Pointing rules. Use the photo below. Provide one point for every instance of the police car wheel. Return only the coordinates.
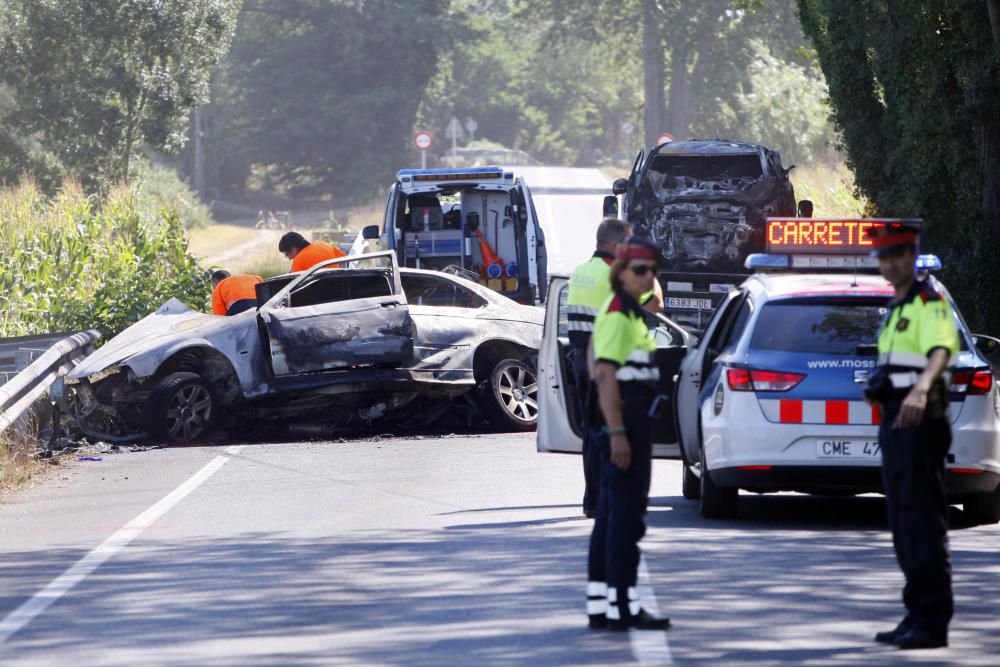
(716, 502)
(180, 408)
(690, 484)
(511, 396)
(982, 508)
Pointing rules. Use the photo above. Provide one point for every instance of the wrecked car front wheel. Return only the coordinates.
(511, 396)
(181, 407)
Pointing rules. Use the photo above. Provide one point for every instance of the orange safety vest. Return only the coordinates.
(314, 253)
(233, 289)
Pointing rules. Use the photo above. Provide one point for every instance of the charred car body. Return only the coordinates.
(351, 340)
(705, 203)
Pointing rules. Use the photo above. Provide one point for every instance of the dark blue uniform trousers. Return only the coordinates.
(913, 474)
(590, 426)
(620, 521)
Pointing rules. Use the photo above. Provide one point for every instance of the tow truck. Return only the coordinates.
(704, 202)
(477, 222)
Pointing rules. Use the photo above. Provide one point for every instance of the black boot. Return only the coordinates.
(624, 612)
(597, 604)
(922, 639)
(890, 636)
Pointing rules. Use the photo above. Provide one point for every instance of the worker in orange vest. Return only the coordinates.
(305, 255)
(233, 294)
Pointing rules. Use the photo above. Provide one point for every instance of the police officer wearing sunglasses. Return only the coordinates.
(917, 340)
(626, 376)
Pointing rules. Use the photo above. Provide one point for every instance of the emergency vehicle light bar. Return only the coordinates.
(823, 236)
(807, 262)
(464, 174)
(762, 261)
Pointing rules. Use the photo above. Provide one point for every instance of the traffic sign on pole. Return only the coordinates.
(423, 140)
(664, 138)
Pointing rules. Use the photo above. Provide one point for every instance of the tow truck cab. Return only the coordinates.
(705, 203)
(479, 220)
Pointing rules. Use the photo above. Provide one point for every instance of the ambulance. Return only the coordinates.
(478, 222)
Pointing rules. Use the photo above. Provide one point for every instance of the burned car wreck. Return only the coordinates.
(352, 340)
(705, 202)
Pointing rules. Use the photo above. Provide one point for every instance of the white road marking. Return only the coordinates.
(649, 646)
(79, 571)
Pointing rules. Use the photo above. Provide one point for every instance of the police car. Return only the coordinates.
(480, 220)
(558, 411)
(770, 399)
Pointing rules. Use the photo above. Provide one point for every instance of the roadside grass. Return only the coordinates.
(214, 240)
(831, 189)
(17, 465)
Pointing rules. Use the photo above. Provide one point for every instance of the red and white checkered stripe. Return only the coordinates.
(794, 411)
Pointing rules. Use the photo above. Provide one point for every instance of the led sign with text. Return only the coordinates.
(811, 235)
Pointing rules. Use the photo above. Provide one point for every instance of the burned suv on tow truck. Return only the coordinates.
(705, 203)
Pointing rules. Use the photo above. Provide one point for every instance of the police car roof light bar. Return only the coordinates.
(928, 263)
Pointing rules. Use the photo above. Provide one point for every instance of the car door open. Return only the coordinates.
(558, 425)
(340, 314)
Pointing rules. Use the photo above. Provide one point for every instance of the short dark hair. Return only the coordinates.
(219, 275)
(612, 230)
(292, 240)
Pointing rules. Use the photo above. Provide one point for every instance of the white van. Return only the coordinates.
(479, 222)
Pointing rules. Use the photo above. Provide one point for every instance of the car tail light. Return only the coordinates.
(971, 382)
(741, 379)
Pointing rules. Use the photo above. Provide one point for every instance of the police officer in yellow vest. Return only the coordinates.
(589, 288)
(627, 376)
(917, 343)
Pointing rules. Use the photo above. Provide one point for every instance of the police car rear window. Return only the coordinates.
(817, 327)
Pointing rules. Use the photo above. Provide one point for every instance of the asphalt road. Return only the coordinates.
(430, 551)
(568, 201)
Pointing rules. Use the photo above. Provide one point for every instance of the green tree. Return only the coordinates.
(93, 81)
(915, 92)
(319, 97)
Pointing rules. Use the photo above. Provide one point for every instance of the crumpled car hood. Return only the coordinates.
(709, 225)
(172, 322)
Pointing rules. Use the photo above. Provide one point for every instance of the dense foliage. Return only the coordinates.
(73, 265)
(90, 82)
(915, 90)
(319, 97)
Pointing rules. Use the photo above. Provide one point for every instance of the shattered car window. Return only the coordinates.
(328, 287)
(708, 167)
(431, 291)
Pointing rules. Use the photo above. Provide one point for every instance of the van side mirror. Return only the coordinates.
(805, 208)
(610, 206)
(619, 186)
(370, 232)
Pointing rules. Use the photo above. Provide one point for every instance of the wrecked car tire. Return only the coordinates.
(510, 396)
(181, 407)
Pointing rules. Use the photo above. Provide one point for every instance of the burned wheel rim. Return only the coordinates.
(516, 390)
(189, 412)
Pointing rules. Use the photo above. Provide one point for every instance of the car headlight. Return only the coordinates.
(100, 375)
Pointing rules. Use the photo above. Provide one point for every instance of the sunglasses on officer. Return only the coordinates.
(642, 269)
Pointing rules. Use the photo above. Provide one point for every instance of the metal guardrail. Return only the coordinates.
(18, 394)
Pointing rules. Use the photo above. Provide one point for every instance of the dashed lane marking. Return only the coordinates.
(64, 583)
